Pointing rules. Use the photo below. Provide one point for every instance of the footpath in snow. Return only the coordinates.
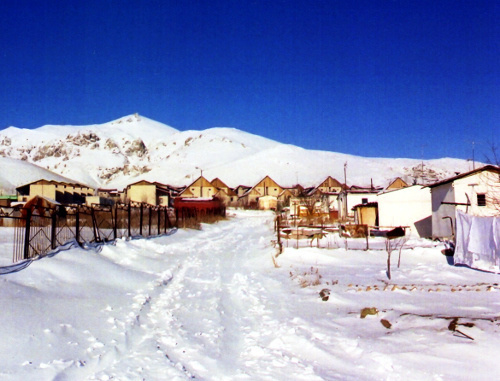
(211, 304)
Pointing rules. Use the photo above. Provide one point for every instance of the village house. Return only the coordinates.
(476, 192)
(397, 183)
(353, 196)
(240, 190)
(329, 190)
(200, 188)
(330, 185)
(285, 196)
(105, 197)
(227, 195)
(111, 194)
(152, 193)
(308, 203)
(6, 200)
(264, 195)
(407, 206)
(249, 199)
(320, 201)
(62, 192)
(366, 214)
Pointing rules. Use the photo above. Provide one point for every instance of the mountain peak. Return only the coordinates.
(118, 152)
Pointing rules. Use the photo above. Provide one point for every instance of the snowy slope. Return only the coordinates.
(131, 148)
(15, 173)
(210, 304)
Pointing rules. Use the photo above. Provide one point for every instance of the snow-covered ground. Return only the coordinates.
(212, 304)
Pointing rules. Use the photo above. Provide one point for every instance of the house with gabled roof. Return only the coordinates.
(330, 185)
(397, 183)
(285, 196)
(200, 188)
(147, 192)
(476, 192)
(250, 198)
(240, 190)
(352, 196)
(62, 192)
(267, 188)
(225, 193)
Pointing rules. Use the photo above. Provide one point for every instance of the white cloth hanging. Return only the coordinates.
(477, 241)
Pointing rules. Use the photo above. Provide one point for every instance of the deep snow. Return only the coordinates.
(212, 304)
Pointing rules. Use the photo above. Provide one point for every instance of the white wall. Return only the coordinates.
(409, 206)
(353, 199)
(463, 191)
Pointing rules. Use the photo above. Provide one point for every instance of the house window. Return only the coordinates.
(364, 201)
(481, 200)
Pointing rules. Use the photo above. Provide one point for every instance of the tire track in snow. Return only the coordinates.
(219, 319)
(218, 314)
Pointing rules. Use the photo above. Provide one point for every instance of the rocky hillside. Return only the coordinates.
(117, 153)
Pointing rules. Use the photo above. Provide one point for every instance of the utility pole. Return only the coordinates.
(473, 161)
(345, 190)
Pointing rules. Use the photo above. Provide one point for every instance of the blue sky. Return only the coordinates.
(415, 79)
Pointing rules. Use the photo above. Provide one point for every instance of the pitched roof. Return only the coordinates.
(43, 181)
(330, 182)
(200, 182)
(397, 183)
(218, 183)
(272, 182)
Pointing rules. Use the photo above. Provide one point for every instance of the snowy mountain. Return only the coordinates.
(133, 148)
(15, 173)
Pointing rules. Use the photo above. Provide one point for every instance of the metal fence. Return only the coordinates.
(334, 236)
(37, 231)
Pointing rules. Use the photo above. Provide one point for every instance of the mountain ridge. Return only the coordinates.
(133, 148)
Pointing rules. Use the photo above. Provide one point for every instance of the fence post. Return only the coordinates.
(115, 227)
(77, 225)
(129, 218)
(27, 234)
(150, 208)
(278, 224)
(53, 231)
(141, 214)
(159, 220)
(94, 223)
(167, 219)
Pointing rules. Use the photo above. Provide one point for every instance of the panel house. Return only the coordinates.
(476, 192)
(62, 192)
